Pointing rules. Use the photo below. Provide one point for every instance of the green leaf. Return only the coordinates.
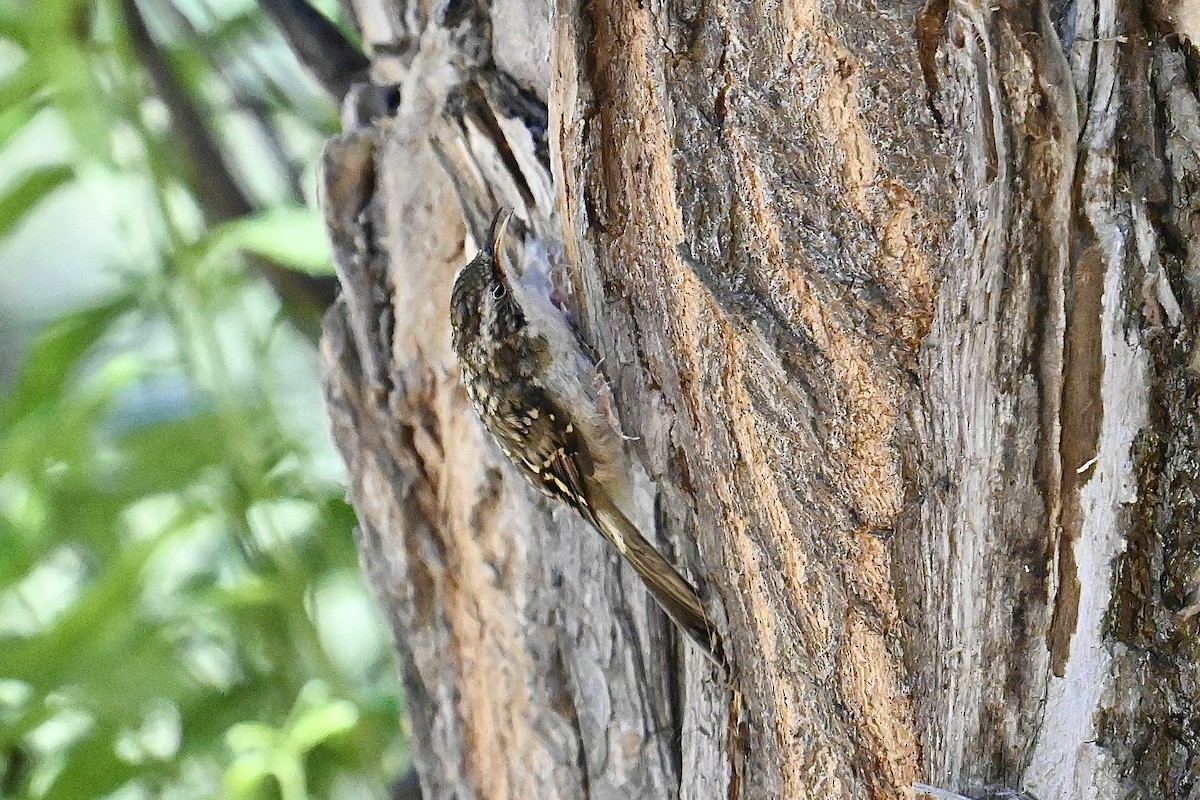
(63, 57)
(98, 640)
(19, 86)
(247, 737)
(13, 119)
(53, 358)
(13, 23)
(244, 775)
(18, 100)
(293, 237)
(91, 765)
(31, 190)
(169, 456)
(315, 725)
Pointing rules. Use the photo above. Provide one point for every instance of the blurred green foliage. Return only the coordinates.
(181, 610)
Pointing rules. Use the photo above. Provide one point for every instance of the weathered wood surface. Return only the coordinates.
(898, 304)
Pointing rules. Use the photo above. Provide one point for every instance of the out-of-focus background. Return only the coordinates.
(181, 609)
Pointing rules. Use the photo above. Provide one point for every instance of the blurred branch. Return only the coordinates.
(218, 193)
(253, 102)
(304, 297)
(333, 60)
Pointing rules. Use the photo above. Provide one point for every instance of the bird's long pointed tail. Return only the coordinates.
(672, 591)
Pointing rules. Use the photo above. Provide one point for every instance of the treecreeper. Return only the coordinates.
(534, 387)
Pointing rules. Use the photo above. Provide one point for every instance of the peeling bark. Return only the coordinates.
(898, 305)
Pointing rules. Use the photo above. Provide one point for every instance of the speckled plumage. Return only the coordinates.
(527, 379)
(501, 364)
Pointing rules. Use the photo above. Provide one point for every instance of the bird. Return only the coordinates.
(534, 387)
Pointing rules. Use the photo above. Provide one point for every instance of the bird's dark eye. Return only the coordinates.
(499, 290)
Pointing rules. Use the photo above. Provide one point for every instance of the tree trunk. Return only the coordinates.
(898, 306)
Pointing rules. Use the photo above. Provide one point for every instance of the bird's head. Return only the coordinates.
(482, 286)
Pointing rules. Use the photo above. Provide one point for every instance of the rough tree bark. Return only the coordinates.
(898, 303)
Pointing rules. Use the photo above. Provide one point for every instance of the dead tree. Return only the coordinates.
(898, 303)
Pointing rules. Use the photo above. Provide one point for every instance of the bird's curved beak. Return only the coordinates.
(497, 236)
